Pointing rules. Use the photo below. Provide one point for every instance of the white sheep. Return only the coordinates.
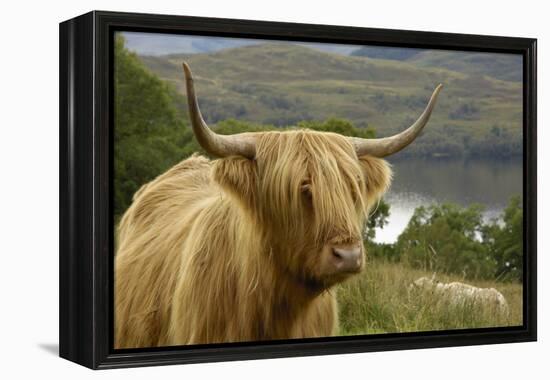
(458, 294)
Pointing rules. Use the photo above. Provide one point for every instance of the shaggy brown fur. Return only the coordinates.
(228, 250)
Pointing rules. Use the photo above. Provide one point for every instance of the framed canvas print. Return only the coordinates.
(236, 189)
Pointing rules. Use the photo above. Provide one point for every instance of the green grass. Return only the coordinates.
(378, 301)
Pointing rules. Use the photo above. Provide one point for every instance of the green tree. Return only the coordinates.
(377, 219)
(341, 126)
(447, 238)
(150, 134)
(505, 241)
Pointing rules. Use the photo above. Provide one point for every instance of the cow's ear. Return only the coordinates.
(237, 176)
(378, 175)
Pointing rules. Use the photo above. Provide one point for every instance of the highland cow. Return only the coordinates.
(249, 246)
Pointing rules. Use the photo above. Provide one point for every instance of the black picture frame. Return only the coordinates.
(86, 158)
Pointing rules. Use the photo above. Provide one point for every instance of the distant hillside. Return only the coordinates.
(506, 67)
(383, 52)
(282, 84)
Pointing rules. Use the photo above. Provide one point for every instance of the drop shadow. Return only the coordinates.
(52, 348)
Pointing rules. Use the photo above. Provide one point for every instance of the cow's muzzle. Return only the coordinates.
(347, 258)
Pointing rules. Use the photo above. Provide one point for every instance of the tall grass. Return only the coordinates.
(378, 301)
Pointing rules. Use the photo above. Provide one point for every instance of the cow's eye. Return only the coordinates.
(305, 187)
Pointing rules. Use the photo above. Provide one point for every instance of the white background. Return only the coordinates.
(29, 187)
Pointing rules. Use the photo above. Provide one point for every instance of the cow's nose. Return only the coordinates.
(347, 258)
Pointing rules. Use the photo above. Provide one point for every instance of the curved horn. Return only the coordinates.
(389, 145)
(242, 144)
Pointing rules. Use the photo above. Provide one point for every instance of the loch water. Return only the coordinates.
(422, 182)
